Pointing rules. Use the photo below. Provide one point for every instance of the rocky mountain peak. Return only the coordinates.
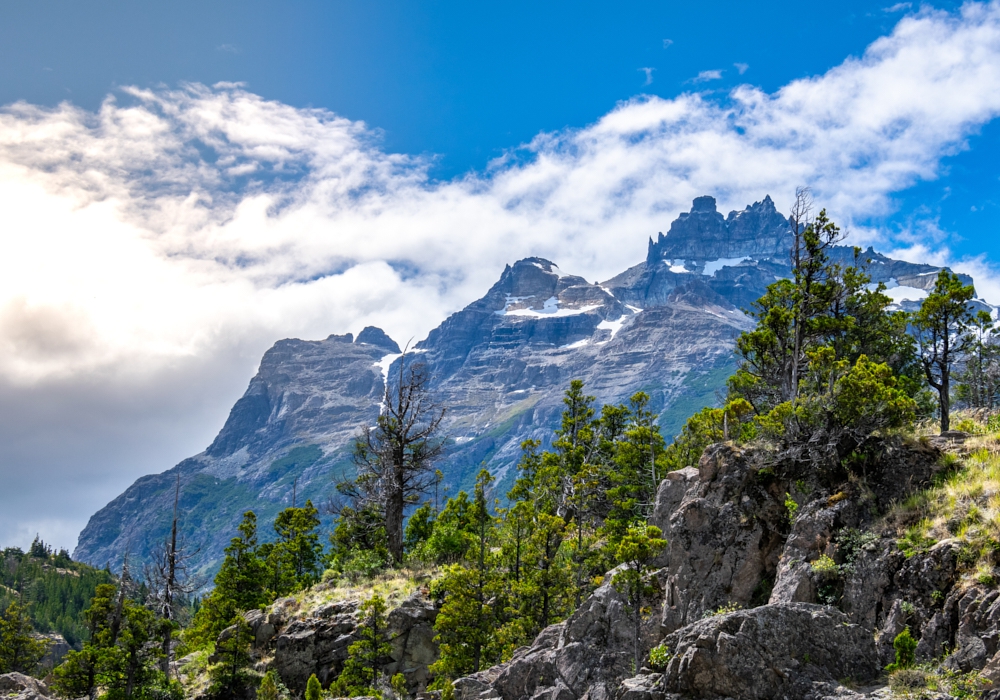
(704, 234)
(378, 338)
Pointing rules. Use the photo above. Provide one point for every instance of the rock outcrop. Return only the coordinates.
(17, 686)
(298, 643)
(772, 651)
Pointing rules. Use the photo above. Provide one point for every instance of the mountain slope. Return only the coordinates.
(665, 326)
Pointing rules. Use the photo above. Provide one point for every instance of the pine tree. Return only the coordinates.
(293, 560)
(641, 544)
(240, 585)
(20, 651)
(467, 622)
(367, 656)
(231, 676)
(942, 330)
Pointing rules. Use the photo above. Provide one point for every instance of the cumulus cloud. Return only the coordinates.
(159, 245)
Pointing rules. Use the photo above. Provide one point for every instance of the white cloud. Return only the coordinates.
(742, 67)
(667, 43)
(898, 7)
(174, 234)
(649, 75)
(707, 75)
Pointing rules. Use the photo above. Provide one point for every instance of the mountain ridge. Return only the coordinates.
(666, 326)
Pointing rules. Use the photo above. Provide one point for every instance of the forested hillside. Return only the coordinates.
(54, 588)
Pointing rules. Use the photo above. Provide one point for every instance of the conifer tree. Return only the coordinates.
(231, 676)
(20, 651)
(368, 655)
(641, 544)
(942, 330)
(293, 560)
(467, 621)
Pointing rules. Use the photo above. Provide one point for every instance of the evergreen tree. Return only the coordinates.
(20, 651)
(293, 560)
(980, 378)
(467, 621)
(231, 676)
(641, 544)
(313, 688)
(240, 585)
(395, 458)
(367, 656)
(942, 330)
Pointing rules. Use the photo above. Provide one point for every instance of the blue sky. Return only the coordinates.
(182, 184)
(465, 82)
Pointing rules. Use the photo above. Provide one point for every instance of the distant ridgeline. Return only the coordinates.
(666, 326)
(55, 589)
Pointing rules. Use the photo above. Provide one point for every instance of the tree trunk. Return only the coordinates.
(945, 398)
(394, 507)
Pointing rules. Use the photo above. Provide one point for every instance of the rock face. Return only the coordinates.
(666, 326)
(747, 608)
(300, 644)
(586, 656)
(17, 686)
(771, 651)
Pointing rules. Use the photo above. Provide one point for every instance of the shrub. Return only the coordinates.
(791, 506)
(907, 680)
(905, 646)
(825, 566)
(723, 610)
(313, 689)
(398, 683)
(659, 657)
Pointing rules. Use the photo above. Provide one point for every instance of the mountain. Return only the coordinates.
(500, 365)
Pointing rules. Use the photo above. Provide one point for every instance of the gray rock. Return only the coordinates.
(723, 537)
(768, 652)
(17, 686)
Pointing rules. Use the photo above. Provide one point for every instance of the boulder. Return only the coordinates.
(768, 652)
(723, 528)
(17, 686)
(587, 655)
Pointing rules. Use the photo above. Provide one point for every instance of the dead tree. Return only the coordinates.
(395, 457)
(168, 581)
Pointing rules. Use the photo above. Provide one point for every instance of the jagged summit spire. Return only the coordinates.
(704, 234)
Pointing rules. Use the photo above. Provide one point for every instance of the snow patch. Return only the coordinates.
(634, 309)
(676, 266)
(713, 266)
(613, 326)
(550, 309)
(385, 363)
(897, 292)
(577, 344)
(554, 270)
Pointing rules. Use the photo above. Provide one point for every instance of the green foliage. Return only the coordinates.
(470, 615)
(825, 566)
(253, 575)
(313, 688)
(791, 508)
(122, 656)
(292, 561)
(636, 551)
(398, 685)
(271, 687)
(659, 657)
(240, 585)
(54, 589)
(358, 542)
(19, 650)
(905, 646)
(941, 327)
(368, 655)
(723, 610)
(231, 677)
